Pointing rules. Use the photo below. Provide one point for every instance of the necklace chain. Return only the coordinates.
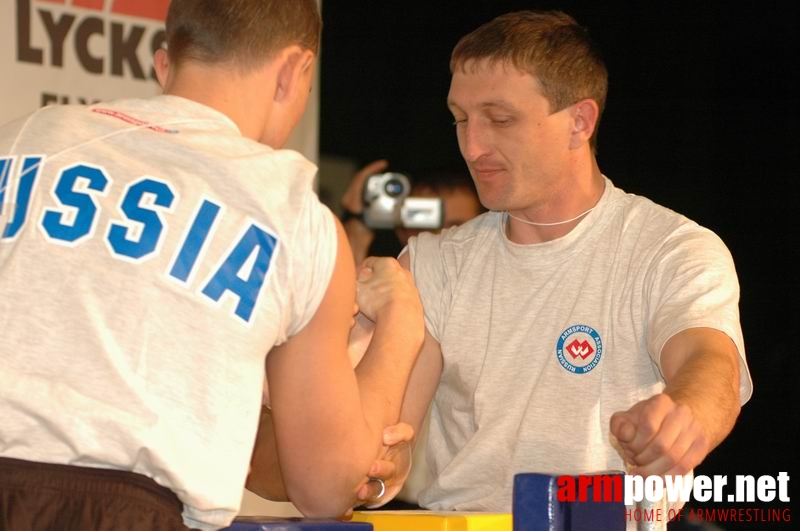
(549, 224)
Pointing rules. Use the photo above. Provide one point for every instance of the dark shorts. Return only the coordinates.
(44, 497)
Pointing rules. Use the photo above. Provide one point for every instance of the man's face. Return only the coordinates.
(515, 148)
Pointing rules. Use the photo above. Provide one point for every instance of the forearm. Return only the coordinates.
(265, 478)
(672, 432)
(707, 381)
(384, 371)
(328, 418)
(347, 424)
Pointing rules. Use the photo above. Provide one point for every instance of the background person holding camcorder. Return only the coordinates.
(372, 216)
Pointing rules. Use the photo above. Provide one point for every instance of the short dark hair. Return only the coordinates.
(549, 45)
(241, 32)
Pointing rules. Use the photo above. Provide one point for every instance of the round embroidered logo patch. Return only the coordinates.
(579, 349)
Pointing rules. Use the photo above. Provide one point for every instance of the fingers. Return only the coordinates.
(383, 282)
(384, 269)
(670, 439)
(373, 167)
(398, 433)
(667, 458)
(372, 491)
(622, 427)
(693, 457)
(353, 315)
(364, 272)
(635, 428)
(387, 474)
(382, 469)
(659, 437)
(352, 198)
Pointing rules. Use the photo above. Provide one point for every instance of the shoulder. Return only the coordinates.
(663, 234)
(461, 239)
(640, 217)
(443, 254)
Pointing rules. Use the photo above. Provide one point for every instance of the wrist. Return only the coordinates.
(348, 215)
(403, 317)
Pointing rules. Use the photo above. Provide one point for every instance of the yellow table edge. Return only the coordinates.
(434, 521)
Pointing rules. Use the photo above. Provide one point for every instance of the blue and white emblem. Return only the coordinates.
(579, 349)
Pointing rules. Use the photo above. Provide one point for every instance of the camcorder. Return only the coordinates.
(387, 204)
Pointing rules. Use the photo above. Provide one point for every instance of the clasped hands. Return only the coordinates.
(382, 282)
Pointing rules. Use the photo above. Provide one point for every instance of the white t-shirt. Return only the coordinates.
(150, 258)
(542, 343)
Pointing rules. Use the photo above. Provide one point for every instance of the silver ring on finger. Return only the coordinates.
(383, 487)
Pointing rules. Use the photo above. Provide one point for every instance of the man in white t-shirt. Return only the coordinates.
(155, 255)
(574, 328)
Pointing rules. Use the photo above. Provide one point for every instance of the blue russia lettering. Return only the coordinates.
(255, 250)
(194, 241)
(56, 223)
(27, 178)
(148, 220)
(138, 235)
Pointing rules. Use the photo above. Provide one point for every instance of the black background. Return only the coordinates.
(701, 117)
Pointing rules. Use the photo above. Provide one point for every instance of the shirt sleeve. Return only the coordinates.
(312, 269)
(428, 270)
(693, 283)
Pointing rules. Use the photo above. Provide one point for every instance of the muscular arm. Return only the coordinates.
(423, 383)
(395, 464)
(424, 377)
(265, 478)
(327, 421)
(672, 432)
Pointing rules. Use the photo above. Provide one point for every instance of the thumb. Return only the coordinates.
(622, 427)
(364, 273)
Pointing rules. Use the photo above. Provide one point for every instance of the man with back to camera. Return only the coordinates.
(157, 250)
(574, 328)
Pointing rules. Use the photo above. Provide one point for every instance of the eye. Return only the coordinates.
(501, 120)
(458, 121)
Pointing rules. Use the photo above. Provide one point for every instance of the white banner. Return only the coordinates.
(85, 51)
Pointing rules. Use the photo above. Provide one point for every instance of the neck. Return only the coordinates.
(561, 211)
(226, 90)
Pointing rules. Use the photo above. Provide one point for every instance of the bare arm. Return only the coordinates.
(672, 432)
(423, 383)
(425, 376)
(395, 463)
(328, 422)
(265, 478)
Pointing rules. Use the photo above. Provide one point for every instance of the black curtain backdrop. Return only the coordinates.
(700, 117)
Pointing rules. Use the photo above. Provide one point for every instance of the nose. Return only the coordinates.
(472, 141)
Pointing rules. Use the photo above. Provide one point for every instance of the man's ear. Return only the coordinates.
(585, 114)
(161, 66)
(294, 62)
